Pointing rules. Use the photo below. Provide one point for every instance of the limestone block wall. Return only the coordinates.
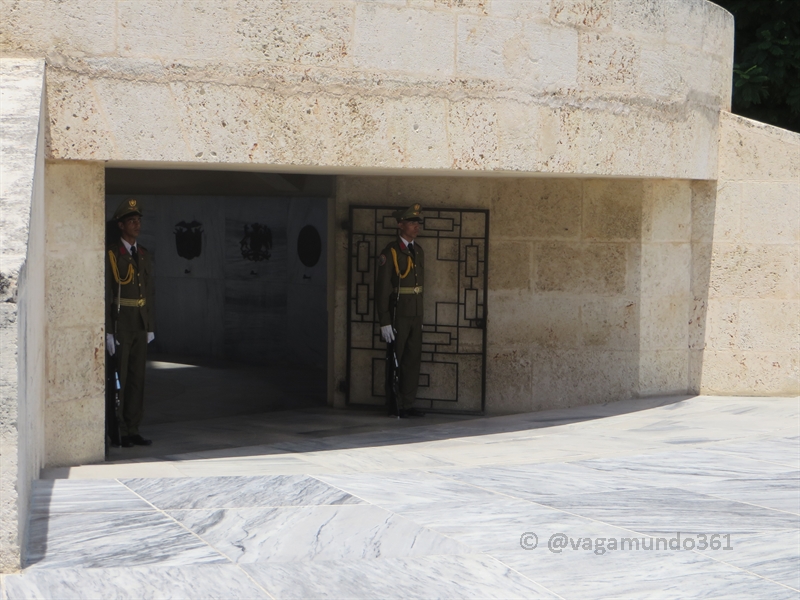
(550, 86)
(564, 315)
(74, 292)
(22, 308)
(589, 283)
(747, 262)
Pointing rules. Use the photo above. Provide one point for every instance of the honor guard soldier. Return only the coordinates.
(398, 302)
(130, 320)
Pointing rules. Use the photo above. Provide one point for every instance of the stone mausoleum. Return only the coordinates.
(600, 226)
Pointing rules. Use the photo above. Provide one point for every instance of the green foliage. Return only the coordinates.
(766, 72)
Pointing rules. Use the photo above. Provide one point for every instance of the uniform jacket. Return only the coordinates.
(130, 318)
(409, 305)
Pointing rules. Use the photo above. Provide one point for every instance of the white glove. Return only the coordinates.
(387, 334)
(150, 336)
(111, 344)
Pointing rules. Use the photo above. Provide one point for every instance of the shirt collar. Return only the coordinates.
(407, 243)
(128, 246)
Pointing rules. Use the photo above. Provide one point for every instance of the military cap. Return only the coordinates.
(412, 213)
(127, 208)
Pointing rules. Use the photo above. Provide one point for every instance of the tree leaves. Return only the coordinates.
(766, 73)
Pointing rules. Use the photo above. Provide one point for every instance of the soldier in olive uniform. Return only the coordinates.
(398, 302)
(130, 318)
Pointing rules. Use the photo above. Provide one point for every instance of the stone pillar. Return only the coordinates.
(75, 397)
(22, 122)
(665, 288)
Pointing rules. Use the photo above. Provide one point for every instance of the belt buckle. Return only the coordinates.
(416, 289)
(140, 302)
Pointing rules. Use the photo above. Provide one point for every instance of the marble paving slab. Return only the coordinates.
(779, 491)
(362, 460)
(561, 448)
(688, 437)
(401, 488)
(472, 576)
(676, 469)
(313, 533)
(725, 417)
(654, 574)
(552, 479)
(255, 465)
(81, 496)
(499, 453)
(501, 529)
(774, 556)
(783, 450)
(94, 540)
(205, 582)
(238, 492)
(665, 511)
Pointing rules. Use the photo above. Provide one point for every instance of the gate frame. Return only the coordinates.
(484, 345)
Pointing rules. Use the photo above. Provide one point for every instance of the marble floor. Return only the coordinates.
(693, 497)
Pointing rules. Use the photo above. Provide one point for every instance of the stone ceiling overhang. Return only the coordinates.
(562, 87)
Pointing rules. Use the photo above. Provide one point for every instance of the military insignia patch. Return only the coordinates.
(382, 259)
(416, 207)
(132, 203)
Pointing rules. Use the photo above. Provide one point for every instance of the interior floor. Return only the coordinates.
(181, 389)
(201, 405)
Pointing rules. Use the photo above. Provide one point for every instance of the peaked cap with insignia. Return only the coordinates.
(412, 213)
(127, 208)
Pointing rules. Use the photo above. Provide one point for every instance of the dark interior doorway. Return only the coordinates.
(241, 296)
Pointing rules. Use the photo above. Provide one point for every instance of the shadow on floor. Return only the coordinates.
(208, 411)
(180, 389)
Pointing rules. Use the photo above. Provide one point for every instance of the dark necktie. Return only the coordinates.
(411, 249)
(135, 255)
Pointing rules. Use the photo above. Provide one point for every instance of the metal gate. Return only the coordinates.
(453, 369)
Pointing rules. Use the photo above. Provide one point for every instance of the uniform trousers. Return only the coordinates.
(131, 356)
(408, 346)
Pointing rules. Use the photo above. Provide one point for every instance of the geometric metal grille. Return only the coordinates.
(453, 368)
